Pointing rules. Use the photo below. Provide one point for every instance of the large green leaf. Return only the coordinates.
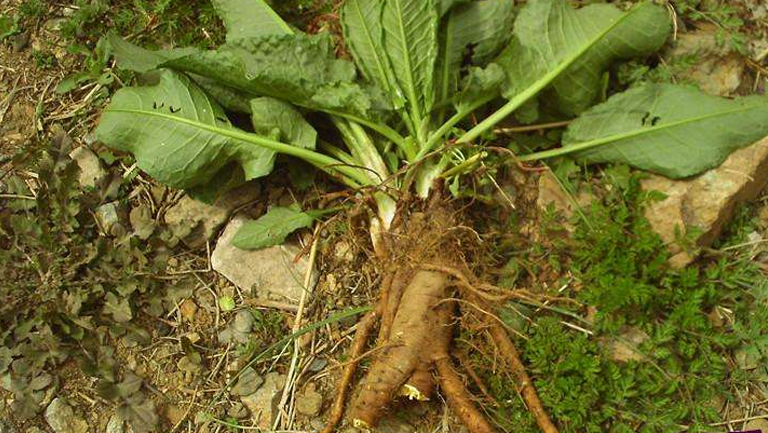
(250, 18)
(296, 68)
(361, 22)
(445, 6)
(484, 26)
(174, 131)
(134, 58)
(676, 131)
(550, 34)
(410, 41)
(271, 229)
(282, 121)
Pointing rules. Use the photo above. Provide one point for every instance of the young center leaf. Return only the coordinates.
(676, 131)
(567, 50)
(271, 229)
(250, 18)
(363, 34)
(410, 41)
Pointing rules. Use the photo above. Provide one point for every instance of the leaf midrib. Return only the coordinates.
(318, 159)
(413, 95)
(544, 81)
(578, 147)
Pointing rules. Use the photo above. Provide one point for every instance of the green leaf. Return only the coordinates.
(483, 25)
(550, 34)
(410, 41)
(567, 49)
(361, 22)
(9, 26)
(271, 229)
(270, 115)
(672, 130)
(479, 85)
(175, 132)
(226, 303)
(250, 18)
(229, 98)
(445, 6)
(134, 58)
(299, 69)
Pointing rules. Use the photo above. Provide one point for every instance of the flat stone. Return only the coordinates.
(395, 425)
(551, 194)
(110, 218)
(91, 170)
(196, 223)
(268, 273)
(63, 419)
(263, 403)
(117, 425)
(6, 427)
(707, 202)
(757, 425)
(309, 402)
(718, 70)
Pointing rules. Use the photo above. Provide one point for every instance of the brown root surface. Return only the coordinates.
(412, 333)
(416, 314)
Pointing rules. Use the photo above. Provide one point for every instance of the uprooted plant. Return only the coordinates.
(401, 130)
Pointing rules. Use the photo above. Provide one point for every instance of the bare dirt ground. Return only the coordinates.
(187, 370)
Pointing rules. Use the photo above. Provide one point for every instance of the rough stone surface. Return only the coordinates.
(756, 425)
(91, 170)
(7, 428)
(263, 403)
(309, 402)
(110, 217)
(117, 425)
(268, 273)
(551, 193)
(718, 70)
(62, 418)
(708, 201)
(395, 425)
(195, 222)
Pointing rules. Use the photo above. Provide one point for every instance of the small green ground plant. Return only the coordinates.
(685, 330)
(396, 125)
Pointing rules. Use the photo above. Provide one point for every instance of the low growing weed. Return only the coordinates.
(703, 329)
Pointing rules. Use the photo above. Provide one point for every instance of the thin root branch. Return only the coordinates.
(457, 396)
(364, 330)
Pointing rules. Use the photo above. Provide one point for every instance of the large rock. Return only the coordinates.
(707, 202)
(263, 403)
(717, 68)
(63, 419)
(268, 273)
(195, 222)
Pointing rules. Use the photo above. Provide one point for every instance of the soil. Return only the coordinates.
(30, 107)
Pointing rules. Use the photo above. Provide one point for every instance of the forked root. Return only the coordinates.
(412, 335)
